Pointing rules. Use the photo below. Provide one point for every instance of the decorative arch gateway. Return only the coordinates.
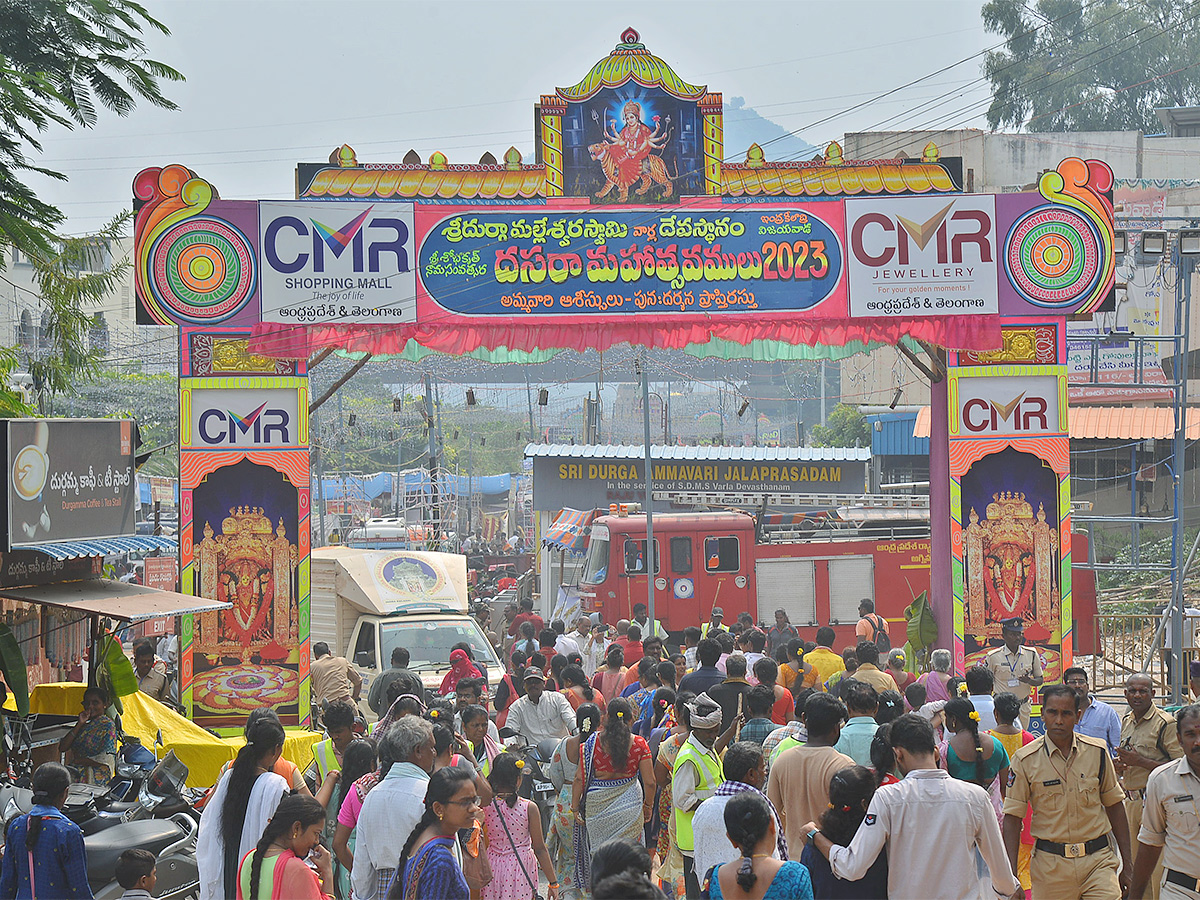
(631, 225)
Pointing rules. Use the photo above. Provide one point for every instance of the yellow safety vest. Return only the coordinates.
(709, 767)
(704, 629)
(326, 759)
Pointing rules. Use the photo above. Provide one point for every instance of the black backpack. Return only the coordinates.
(882, 641)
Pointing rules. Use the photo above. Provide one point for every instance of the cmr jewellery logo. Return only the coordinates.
(267, 418)
(960, 237)
(923, 256)
(1016, 406)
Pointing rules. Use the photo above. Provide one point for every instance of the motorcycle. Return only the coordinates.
(161, 821)
(537, 786)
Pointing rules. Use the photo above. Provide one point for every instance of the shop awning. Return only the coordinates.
(105, 546)
(1108, 423)
(570, 530)
(114, 599)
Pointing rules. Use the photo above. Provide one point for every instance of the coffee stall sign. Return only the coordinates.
(69, 479)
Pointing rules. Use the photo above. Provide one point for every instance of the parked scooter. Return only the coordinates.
(161, 821)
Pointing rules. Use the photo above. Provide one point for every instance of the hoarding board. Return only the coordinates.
(707, 259)
(337, 262)
(69, 480)
(922, 256)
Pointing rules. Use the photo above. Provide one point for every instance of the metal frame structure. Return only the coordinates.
(1184, 264)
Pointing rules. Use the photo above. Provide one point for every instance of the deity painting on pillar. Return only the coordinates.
(247, 556)
(1011, 553)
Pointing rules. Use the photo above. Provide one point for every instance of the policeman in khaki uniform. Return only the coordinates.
(1148, 740)
(1069, 781)
(1171, 821)
(1015, 667)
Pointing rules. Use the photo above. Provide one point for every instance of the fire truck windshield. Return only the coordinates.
(595, 569)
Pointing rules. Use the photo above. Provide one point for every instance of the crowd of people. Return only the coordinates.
(749, 765)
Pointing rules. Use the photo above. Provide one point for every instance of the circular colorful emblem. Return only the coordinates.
(203, 270)
(1052, 256)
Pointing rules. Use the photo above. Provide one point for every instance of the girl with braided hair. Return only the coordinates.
(970, 756)
(563, 767)
(275, 868)
(45, 855)
(427, 867)
(750, 827)
(242, 804)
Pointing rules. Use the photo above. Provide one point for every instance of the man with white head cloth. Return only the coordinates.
(696, 777)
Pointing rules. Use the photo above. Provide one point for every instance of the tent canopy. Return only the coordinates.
(104, 597)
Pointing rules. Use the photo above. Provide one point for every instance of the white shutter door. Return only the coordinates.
(790, 585)
(851, 580)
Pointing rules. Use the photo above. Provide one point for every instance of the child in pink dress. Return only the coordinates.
(514, 855)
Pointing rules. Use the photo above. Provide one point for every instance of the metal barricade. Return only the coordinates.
(1125, 648)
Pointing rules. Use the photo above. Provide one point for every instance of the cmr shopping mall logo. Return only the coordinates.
(245, 418)
(292, 244)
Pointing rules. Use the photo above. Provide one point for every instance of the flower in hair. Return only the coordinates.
(620, 715)
(830, 805)
(973, 715)
(962, 690)
(520, 763)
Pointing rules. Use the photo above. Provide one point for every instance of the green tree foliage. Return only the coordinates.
(12, 402)
(78, 274)
(151, 399)
(845, 427)
(1083, 65)
(60, 62)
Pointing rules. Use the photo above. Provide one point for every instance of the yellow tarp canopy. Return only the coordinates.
(203, 753)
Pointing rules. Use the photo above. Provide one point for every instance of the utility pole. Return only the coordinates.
(529, 400)
(435, 536)
(649, 489)
(316, 434)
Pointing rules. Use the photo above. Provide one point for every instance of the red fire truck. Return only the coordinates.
(729, 559)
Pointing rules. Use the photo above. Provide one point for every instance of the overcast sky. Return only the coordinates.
(273, 83)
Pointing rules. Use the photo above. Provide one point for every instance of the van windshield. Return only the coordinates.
(428, 642)
(595, 569)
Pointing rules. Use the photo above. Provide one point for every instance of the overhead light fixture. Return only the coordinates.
(1154, 242)
(742, 409)
(1118, 242)
(397, 404)
(543, 397)
(353, 419)
(1189, 241)
(895, 399)
(470, 397)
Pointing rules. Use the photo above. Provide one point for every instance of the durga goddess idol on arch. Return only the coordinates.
(627, 156)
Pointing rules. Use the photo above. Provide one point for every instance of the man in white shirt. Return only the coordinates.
(394, 806)
(981, 684)
(928, 809)
(643, 621)
(564, 644)
(540, 716)
(744, 768)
